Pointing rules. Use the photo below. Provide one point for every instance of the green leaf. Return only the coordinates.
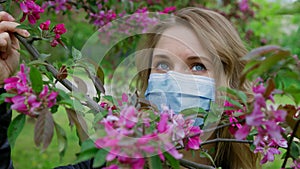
(63, 94)
(155, 162)
(24, 27)
(86, 155)
(68, 102)
(100, 158)
(173, 162)
(204, 154)
(294, 90)
(44, 56)
(213, 116)
(37, 62)
(62, 140)
(99, 116)
(193, 112)
(87, 144)
(239, 94)
(232, 101)
(15, 128)
(76, 54)
(54, 109)
(110, 99)
(5, 95)
(36, 79)
(295, 150)
(8, 4)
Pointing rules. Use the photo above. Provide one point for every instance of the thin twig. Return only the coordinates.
(35, 54)
(221, 140)
(296, 127)
(221, 126)
(191, 164)
(226, 140)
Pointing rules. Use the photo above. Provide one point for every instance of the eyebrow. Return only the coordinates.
(192, 58)
(162, 56)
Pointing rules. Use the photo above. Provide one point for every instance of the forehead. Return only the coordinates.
(181, 41)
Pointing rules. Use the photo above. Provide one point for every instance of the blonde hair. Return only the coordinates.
(226, 49)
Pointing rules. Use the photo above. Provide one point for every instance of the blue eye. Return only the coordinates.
(163, 66)
(198, 67)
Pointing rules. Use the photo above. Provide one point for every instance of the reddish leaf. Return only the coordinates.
(290, 118)
(270, 88)
(43, 131)
(261, 51)
(244, 74)
(98, 80)
(77, 120)
(62, 73)
(81, 85)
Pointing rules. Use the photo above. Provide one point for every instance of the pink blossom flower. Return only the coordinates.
(26, 101)
(54, 43)
(242, 132)
(128, 117)
(59, 5)
(160, 154)
(142, 10)
(52, 99)
(296, 164)
(260, 88)
(260, 100)
(243, 5)
(273, 130)
(60, 29)
(232, 119)
(45, 25)
(103, 17)
(18, 104)
(33, 103)
(162, 125)
(170, 148)
(11, 83)
(31, 10)
(168, 10)
(256, 117)
(269, 155)
(194, 142)
(113, 153)
(279, 115)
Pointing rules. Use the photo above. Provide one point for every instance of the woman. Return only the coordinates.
(198, 42)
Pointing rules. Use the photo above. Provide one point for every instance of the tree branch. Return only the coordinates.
(190, 164)
(35, 54)
(226, 140)
(296, 127)
(221, 126)
(220, 140)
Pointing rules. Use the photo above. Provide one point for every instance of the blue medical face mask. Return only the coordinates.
(180, 91)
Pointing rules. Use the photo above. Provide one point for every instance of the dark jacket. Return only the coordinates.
(5, 151)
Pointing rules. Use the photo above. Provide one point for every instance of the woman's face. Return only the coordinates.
(180, 50)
